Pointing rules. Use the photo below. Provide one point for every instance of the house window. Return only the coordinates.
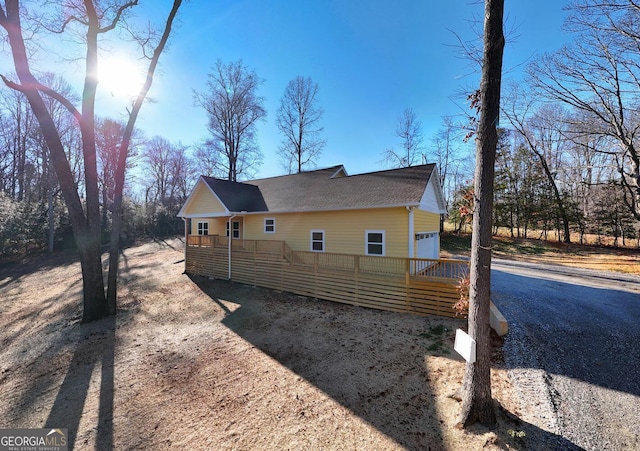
(269, 225)
(235, 225)
(317, 240)
(203, 228)
(374, 242)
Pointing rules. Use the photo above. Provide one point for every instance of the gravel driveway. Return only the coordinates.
(573, 351)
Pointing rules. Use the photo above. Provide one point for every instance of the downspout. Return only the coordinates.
(230, 238)
(411, 231)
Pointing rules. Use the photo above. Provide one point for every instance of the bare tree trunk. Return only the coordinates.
(477, 404)
(116, 218)
(50, 220)
(557, 197)
(94, 306)
(94, 300)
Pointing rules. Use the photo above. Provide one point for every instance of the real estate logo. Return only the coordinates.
(34, 440)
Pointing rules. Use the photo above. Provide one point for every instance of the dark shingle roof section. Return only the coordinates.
(237, 196)
(317, 190)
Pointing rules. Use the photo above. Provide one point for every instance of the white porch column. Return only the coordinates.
(186, 237)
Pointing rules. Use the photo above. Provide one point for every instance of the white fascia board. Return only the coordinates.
(208, 215)
(186, 203)
(342, 169)
(433, 197)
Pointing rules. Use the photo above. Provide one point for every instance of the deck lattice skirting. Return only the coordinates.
(419, 286)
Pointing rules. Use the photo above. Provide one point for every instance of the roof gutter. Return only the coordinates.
(325, 210)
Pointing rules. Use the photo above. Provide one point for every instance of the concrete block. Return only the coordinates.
(498, 321)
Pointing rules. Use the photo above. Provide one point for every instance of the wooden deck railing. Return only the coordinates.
(201, 240)
(415, 285)
(264, 246)
(414, 267)
(443, 268)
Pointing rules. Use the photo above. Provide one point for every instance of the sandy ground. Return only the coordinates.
(192, 363)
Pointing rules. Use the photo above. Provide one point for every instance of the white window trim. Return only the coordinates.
(324, 240)
(230, 229)
(265, 225)
(366, 243)
(198, 228)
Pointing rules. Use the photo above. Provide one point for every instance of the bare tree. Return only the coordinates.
(91, 21)
(181, 171)
(157, 155)
(108, 138)
(298, 118)
(409, 129)
(70, 137)
(234, 109)
(18, 132)
(206, 161)
(451, 162)
(167, 174)
(587, 165)
(167, 171)
(597, 74)
(25, 169)
(109, 135)
(477, 404)
(544, 133)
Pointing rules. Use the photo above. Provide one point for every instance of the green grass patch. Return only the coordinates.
(437, 336)
(519, 436)
(434, 332)
(456, 244)
(517, 246)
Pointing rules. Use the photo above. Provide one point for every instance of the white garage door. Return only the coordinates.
(427, 245)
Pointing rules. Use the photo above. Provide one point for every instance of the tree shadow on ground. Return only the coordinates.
(523, 435)
(12, 272)
(369, 361)
(95, 348)
(52, 355)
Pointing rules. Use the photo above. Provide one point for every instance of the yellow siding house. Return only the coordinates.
(393, 213)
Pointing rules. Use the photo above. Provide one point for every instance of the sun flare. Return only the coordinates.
(120, 76)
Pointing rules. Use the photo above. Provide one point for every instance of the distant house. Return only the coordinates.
(392, 213)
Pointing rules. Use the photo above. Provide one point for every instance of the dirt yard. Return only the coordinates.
(191, 363)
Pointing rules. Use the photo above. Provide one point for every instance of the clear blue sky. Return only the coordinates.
(371, 59)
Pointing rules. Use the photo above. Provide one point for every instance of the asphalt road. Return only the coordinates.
(573, 351)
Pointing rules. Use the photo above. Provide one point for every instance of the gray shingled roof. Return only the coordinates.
(237, 196)
(317, 190)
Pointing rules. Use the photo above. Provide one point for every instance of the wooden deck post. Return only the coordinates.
(356, 274)
(315, 274)
(407, 280)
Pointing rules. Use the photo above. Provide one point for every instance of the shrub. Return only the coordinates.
(462, 306)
